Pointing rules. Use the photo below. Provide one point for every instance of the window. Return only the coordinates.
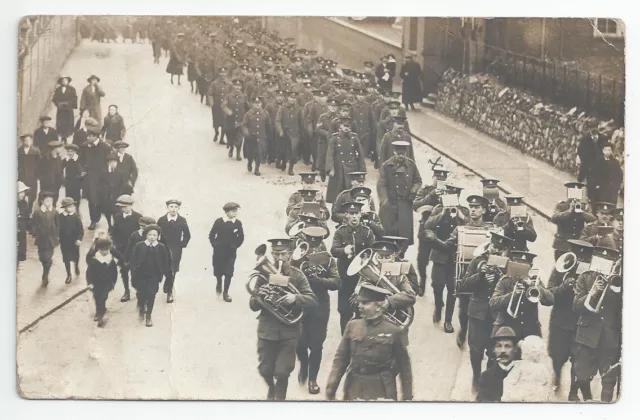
(611, 28)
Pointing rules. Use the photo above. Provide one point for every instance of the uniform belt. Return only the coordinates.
(370, 370)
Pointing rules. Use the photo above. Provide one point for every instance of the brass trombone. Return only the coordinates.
(613, 282)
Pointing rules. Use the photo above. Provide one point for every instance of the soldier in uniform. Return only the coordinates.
(277, 342)
(349, 239)
(322, 274)
(593, 232)
(256, 126)
(519, 228)
(323, 132)
(272, 106)
(218, 90)
(563, 321)
(598, 335)
(365, 122)
(234, 106)
(617, 236)
(398, 133)
(526, 322)
(357, 180)
(308, 179)
(289, 125)
(427, 197)
(308, 196)
(570, 216)
(312, 112)
(480, 280)
(344, 155)
(436, 231)
(397, 187)
(372, 352)
(496, 204)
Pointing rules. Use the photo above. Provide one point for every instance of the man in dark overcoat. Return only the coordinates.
(114, 185)
(589, 152)
(608, 176)
(44, 134)
(226, 236)
(411, 75)
(51, 170)
(126, 164)
(290, 126)
(28, 162)
(256, 126)
(94, 160)
(234, 106)
(344, 155)
(66, 101)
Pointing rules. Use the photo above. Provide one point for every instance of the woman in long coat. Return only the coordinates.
(113, 128)
(66, 100)
(411, 75)
(344, 155)
(176, 58)
(90, 98)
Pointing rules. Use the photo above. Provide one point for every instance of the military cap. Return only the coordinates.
(173, 201)
(336, 82)
(618, 213)
(398, 240)
(146, 221)
(124, 200)
(307, 84)
(119, 144)
(72, 147)
(112, 157)
(500, 240)
(385, 92)
(606, 253)
(400, 144)
(359, 176)
(489, 183)
(280, 92)
(64, 77)
(394, 105)
(504, 332)
(257, 100)
(399, 119)
(244, 67)
(287, 70)
(45, 194)
(582, 249)
(371, 293)
(267, 58)
(385, 248)
(223, 69)
(360, 192)
(332, 101)
(478, 200)
(522, 256)
(351, 207)
(237, 82)
(319, 60)
(308, 177)
(258, 70)
(307, 193)
(230, 206)
(573, 184)
(280, 244)
(103, 243)
(151, 227)
(454, 189)
(514, 200)
(293, 94)
(345, 105)
(315, 231)
(309, 218)
(45, 118)
(359, 91)
(605, 207)
(92, 77)
(395, 95)
(22, 187)
(66, 202)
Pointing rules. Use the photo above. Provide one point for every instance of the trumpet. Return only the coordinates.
(493, 208)
(613, 282)
(451, 211)
(531, 293)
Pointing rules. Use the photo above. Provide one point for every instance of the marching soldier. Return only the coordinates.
(516, 223)
(344, 155)
(598, 334)
(398, 133)
(372, 353)
(617, 236)
(362, 114)
(218, 90)
(322, 273)
(436, 230)
(525, 322)
(356, 179)
(310, 204)
(349, 239)
(272, 106)
(397, 187)
(323, 132)
(234, 106)
(289, 125)
(256, 126)
(496, 204)
(563, 321)
(277, 342)
(312, 112)
(594, 231)
(480, 280)
(427, 197)
(570, 216)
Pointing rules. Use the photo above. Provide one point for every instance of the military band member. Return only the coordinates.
(436, 231)
(309, 196)
(356, 179)
(617, 236)
(598, 334)
(411, 274)
(496, 204)
(308, 179)
(256, 127)
(516, 223)
(277, 342)
(322, 274)
(594, 231)
(427, 197)
(349, 239)
(398, 133)
(480, 280)
(369, 217)
(563, 321)
(570, 216)
(397, 187)
(526, 321)
(289, 125)
(234, 105)
(226, 236)
(344, 155)
(372, 353)
(126, 164)
(175, 231)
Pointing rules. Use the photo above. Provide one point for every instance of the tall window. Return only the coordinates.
(612, 28)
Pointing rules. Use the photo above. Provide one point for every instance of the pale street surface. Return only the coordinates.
(200, 347)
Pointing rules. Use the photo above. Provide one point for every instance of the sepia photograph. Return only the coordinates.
(320, 208)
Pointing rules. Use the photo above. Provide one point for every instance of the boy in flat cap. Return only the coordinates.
(90, 99)
(134, 238)
(344, 155)
(570, 216)
(51, 170)
(177, 235)
(125, 223)
(71, 234)
(66, 101)
(256, 126)
(45, 228)
(277, 342)
(115, 185)
(290, 126)
(102, 274)
(73, 173)
(226, 236)
(126, 164)
(44, 134)
(149, 264)
(28, 162)
(234, 106)
(372, 352)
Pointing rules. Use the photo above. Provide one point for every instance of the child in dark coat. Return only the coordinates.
(45, 229)
(102, 273)
(226, 236)
(177, 235)
(24, 217)
(71, 234)
(73, 171)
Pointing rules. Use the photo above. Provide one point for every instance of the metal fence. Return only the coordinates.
(555, 81)
(45, 43)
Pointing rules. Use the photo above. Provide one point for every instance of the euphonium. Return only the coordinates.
(364, 264)
(613, 282)
(567, 263)
(301, 250)
(272, 302)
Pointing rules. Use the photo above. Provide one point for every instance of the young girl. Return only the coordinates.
(102, 274)
(226, 236)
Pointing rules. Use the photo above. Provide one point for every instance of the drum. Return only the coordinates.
(469, 239)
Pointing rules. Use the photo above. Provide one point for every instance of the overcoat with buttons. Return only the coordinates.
(236, 103)
(323, 132)
(344, 155)
(256, 126)
(569, 224)
(386, 147)
(362, 114)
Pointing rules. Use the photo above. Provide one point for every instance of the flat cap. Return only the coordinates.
(230, 206)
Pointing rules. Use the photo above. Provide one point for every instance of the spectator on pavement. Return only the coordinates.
(589, 152)
(411, 75)
(607, 176)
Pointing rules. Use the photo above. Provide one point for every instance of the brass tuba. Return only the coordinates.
(267, 275)
(364, 264)
(567, 264)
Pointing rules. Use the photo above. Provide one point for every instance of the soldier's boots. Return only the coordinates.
(462, 337)
(149, 323)
(170, 297)
(126, 297)
(291, 169)
(448, 327)
(282, 383)
(437, 315)
(218, 285)
(314, 388)
(303, 375)
(226, 297)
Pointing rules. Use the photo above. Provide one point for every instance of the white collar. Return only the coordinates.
(507, 368)
(96, 141)
(226, 219)
(26, 148)
(120, 154)
(64, 213)
(103, 258)
(45, 129)
(75, 158)
(150, 244)
(125, 215)
(169, 218)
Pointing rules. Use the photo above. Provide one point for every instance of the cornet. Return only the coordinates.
(613, 282)
(531, 293)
